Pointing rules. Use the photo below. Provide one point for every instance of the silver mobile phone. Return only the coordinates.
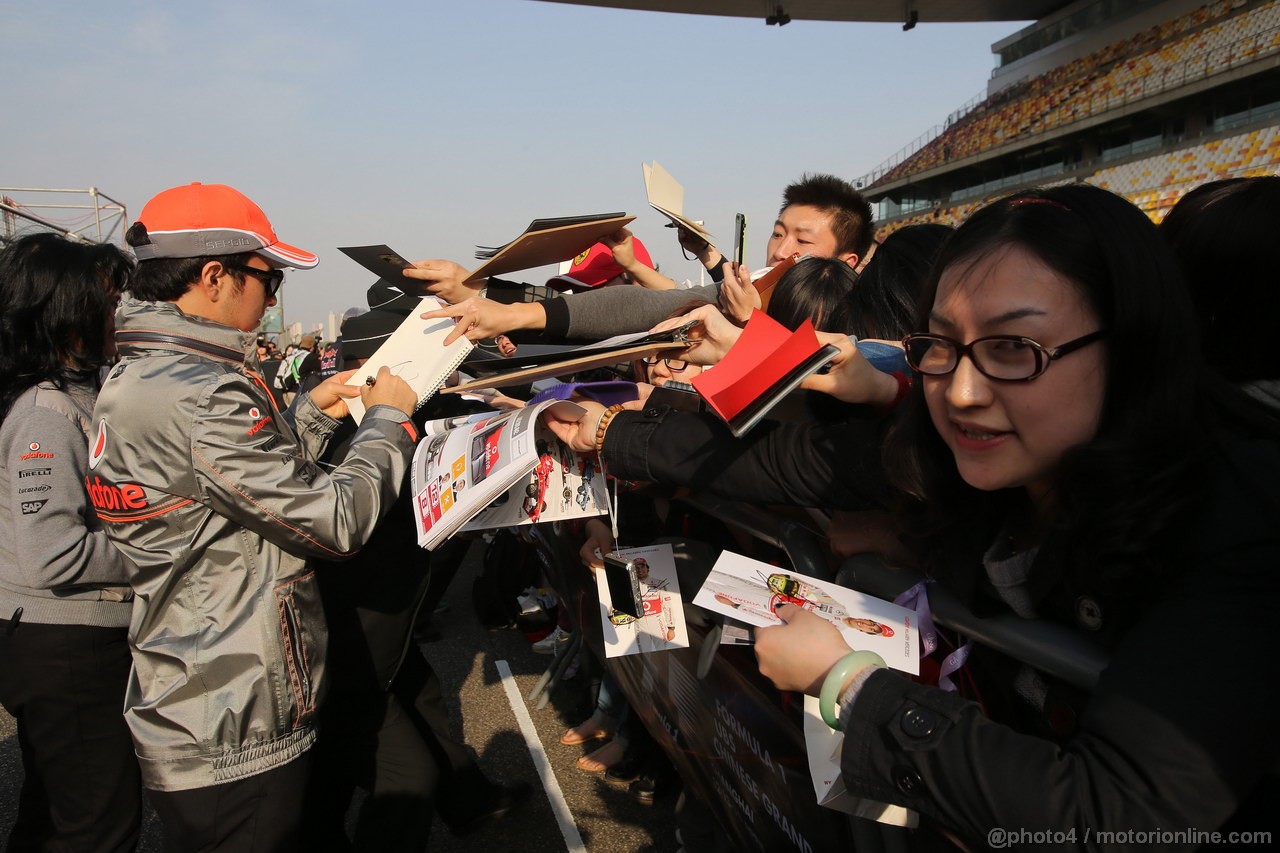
(624, 585)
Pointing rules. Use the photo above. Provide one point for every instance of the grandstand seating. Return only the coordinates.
(1206, 41)
(1153, 183)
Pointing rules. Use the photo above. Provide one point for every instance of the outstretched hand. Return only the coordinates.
(444, 279)
(712, 337)
(798, 654)
(477, 318)
(579, 435)
(692, 243)
(851, 377)
(738, 296)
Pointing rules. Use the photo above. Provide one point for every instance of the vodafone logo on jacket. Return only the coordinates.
(259, 421)
(99, 445)
(34, 452)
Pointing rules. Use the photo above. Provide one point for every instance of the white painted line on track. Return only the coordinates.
(559, 806)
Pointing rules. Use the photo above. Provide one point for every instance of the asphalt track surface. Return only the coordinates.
(466, 659)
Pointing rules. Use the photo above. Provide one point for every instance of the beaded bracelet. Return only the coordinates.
(603, 424)
(836, 680)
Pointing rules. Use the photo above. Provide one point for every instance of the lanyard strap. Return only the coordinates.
(917, 599)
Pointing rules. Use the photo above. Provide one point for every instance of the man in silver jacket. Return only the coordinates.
(214, 497)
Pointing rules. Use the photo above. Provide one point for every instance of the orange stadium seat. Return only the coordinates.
(1205, 41)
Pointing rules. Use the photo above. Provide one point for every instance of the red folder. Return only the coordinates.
(766, 363)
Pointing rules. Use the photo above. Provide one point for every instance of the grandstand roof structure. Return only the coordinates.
(901, 11)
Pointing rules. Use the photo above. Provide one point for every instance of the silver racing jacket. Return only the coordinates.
(215, 499)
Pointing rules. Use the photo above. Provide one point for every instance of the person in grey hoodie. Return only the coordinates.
(64, 598)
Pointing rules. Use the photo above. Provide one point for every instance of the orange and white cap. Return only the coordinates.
(213, 219)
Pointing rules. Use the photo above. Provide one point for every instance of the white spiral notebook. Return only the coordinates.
(416, 353)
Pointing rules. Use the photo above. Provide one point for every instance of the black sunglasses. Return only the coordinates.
(271, 279)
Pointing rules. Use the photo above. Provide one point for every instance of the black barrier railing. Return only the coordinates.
(799, 543)
(1052, 649)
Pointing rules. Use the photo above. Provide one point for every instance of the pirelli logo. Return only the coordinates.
(24, 473)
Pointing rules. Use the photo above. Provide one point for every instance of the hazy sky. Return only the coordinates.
(435, 126)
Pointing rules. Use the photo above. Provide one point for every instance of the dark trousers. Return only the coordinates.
(64, 685)
(258, 814)
(397, 745)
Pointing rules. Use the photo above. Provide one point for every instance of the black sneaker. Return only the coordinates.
(643, 790)
(506, 798)
(628, 770)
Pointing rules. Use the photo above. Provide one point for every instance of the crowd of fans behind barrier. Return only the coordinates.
(1082, 431)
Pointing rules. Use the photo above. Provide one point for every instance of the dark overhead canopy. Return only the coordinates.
(888, 11)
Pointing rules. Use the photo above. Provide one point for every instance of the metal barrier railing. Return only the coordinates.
(1053, 649)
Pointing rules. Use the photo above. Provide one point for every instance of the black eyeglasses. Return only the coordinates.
(271, 279)
(675, 365)
(1007, 358)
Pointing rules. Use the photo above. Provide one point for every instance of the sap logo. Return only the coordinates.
(32, 507)
(34, 472)
(105, 496)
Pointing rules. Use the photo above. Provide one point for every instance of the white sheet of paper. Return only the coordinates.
(823, 745)
(748, 590)
(663, 626)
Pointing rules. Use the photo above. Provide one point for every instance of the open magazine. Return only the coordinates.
(497, 469)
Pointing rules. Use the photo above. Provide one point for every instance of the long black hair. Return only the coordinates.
(55, 294)
(814, 289)
(1122, 498)
(883, 305)
(1224, 235)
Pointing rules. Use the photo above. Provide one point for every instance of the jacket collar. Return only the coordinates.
(145, 326)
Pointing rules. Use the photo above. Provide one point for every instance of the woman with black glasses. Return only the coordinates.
(65, 600)
(1062, 456)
